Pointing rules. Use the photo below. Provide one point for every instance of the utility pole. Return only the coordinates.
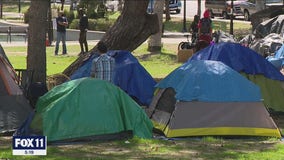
(184, 16)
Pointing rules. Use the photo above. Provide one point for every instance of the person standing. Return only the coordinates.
(83, 26)
(62, 23)
(205, 27)
(193, 29)
(103, 66)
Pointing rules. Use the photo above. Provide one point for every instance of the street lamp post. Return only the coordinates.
(184, 16)
(1, 8)
(231, 18)
(19, 6)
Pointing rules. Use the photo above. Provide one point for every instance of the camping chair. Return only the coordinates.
(24, 79)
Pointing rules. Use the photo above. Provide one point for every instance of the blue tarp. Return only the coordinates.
(280, 52)
(240, 58)
(210, 81)
(129, 75)
(278, 59)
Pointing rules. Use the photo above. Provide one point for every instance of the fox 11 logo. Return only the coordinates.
(29, 145)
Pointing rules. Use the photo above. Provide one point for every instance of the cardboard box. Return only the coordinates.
(184, 55)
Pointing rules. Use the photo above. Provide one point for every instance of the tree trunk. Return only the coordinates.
(50, 25)
(155, 40)
(36, 58)
(130, 30)
(168, 15)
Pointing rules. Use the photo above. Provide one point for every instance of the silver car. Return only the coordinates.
(249, 7)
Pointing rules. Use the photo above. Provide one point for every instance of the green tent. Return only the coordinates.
(89, 107)
(272, 91)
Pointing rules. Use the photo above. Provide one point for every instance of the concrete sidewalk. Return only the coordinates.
(169, 39)
(93, 37)
(22, 43)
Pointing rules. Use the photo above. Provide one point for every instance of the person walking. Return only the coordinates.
(62, 23)
(103, 66)
(83, 26)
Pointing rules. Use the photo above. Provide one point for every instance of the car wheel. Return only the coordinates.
(178, 11)
(246, 16)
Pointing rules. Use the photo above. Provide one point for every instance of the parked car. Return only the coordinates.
(222, 8)
(241, 7)
(174, 5)
(249, 7)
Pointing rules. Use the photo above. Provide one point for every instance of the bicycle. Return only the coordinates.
(185, 45)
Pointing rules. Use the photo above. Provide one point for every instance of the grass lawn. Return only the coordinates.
(158, 65)
(55, 64)
(155, 149)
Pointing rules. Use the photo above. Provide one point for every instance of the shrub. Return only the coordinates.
(74, 24)
(69, 15)
(103, 24)
(94, 24)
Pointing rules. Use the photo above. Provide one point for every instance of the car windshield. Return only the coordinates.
(274, 1)
(266, 1)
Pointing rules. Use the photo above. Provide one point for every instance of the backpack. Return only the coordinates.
(205, 26)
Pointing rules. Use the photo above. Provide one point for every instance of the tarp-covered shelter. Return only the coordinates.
(14, 107)
(273, 25)
(268, 45)
(129, 75)
(88, 107)
(208, 98)
(254, 67)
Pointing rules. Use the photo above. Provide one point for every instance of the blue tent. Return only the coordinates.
(208, 98)
(129, 75)
(240, 58)
(210, 81)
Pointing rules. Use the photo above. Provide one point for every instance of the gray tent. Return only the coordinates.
(14, 107)
(267, 45)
